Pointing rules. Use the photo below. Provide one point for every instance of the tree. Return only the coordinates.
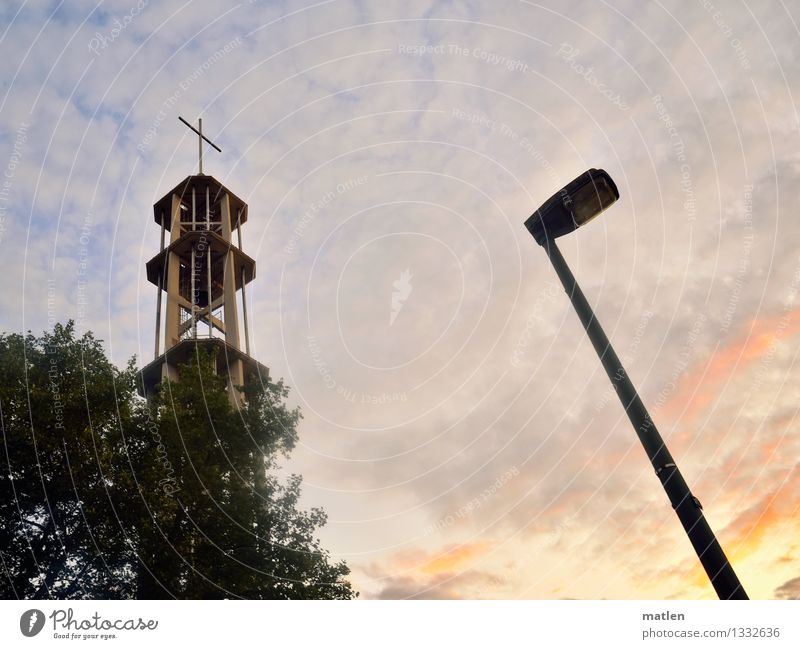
(104, 495)
(61, 406)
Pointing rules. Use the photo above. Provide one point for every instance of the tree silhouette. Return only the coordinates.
(104, 495)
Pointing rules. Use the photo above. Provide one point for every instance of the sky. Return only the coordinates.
(458, 427)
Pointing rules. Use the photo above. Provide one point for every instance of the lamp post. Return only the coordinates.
(573, 206)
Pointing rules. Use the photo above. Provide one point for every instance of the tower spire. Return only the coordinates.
(200, 139)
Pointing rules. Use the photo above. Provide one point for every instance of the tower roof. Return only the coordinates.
(185, 350)
(158, 265)
(164, 205)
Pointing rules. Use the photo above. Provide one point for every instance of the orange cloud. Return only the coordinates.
(454, 557)
(750, 527)
(444, 574)
(760, 452)
(698, 388)
(449, 559)
(747, 532)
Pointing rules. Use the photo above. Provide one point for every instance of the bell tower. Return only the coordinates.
(201, 273)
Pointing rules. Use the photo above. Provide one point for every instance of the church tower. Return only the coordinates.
(201, 273)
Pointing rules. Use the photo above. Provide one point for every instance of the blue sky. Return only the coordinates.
(468, 447)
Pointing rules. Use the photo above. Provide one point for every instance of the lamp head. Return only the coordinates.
(575, 204)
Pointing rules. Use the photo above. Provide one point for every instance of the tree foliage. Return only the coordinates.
(104, 495)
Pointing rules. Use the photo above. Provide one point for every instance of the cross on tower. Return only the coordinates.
(200, 139)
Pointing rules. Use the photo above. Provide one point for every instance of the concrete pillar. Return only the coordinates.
(229, 280)
(175, 224)
(169, 371)
(244, 317)
(231, 313)
(235, 377)
(158, 311)
(225, 204)
(173, 317)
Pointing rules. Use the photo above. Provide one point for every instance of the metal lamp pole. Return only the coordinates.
(686, 506)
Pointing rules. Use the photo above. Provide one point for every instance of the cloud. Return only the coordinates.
(447, 573)
(749, 530)
(699, 388)
(467, 585)
(789, 589)
(453, 558)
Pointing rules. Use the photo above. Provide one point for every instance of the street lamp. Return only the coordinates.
(573, 206)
